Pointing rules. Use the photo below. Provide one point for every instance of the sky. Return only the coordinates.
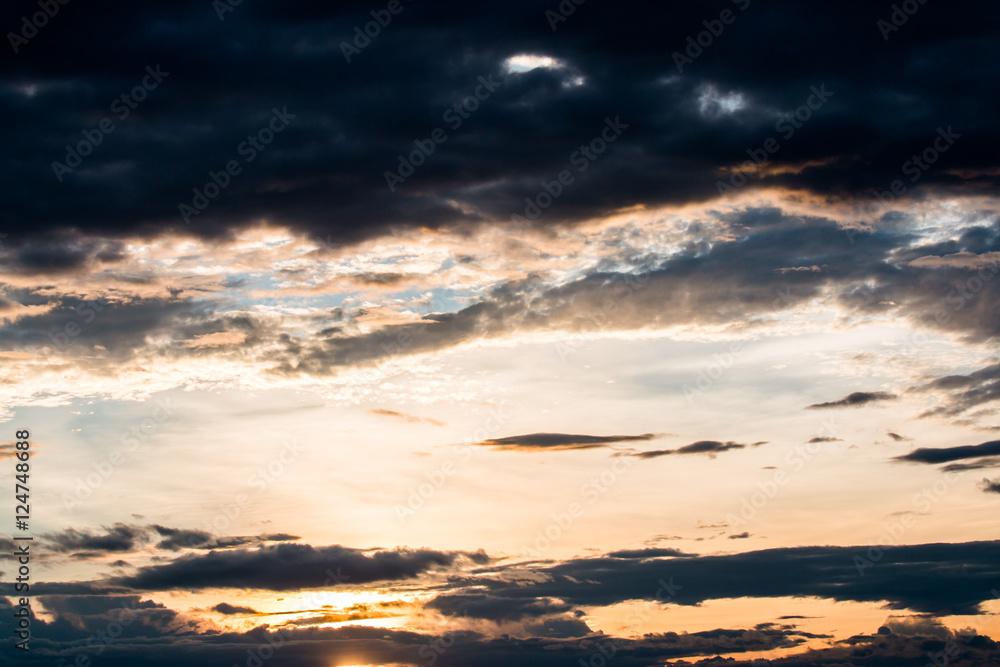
(546, 333)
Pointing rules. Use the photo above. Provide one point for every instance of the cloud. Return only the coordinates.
(964, 260)
(560, 441)
(116, 539)
(646, 553)
(230, 610)
(405, 417)
(934, 455)
(990, 486)
(287, 567)
(674, 154)
(497, 609)
(929, 578)
(978, 464)
(125, 538)
(175, 539)
(855, 399)
(159, 637)
(709, 447)
(964, 392)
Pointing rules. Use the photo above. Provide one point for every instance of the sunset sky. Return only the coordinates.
(417, 334)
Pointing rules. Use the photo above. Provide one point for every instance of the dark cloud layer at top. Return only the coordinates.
(324, 173)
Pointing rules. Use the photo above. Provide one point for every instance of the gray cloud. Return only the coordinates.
(116, 539)
(946, 454)
(709, 447)
(964, 391)
(230, 610)
(855, 399)
(549, 441)
(286, 567)
(931, 578)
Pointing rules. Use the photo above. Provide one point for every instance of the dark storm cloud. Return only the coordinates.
(855, 399)
(324, 172)
(548, 441)
(932, 578)
(945, 454)
(709, 447)
(286, 567)
(557, 642)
